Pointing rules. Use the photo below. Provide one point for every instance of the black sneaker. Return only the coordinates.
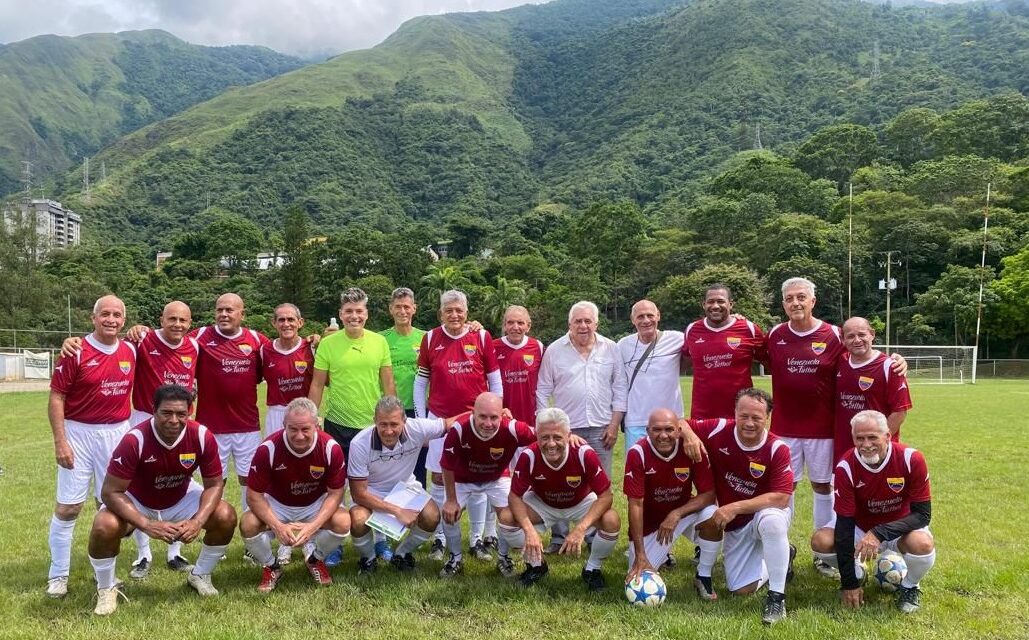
(367, 566)
(705, 589)
(480, 551)
(909, 599)
(696, 555)
(594, 579)
(492, 544)
(670, 562)
(554, 546)
(436, 550)
(532, 575)
(789, 567)
(178, 563)
(453, 567)
(403, 563)
(140, 569)
(505, 565)
(774, 609)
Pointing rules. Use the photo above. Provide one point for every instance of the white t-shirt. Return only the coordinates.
(657, 383)
(384, 467)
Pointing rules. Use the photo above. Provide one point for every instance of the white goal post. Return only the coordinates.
(929, 364)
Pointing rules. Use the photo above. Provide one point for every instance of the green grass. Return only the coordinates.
(975, 440)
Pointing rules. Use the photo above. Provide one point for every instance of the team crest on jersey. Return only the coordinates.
(187, 361)
(317, 472)
(528, 359)
(756, 470)
(895, 484)
(187, 459)
(818, 347)
(125, 366)
(733, 341)
(469, 349)
(300, 365)
(496, 452)
(865, 383)
(573, 481)
(246, 349)
(682, 474)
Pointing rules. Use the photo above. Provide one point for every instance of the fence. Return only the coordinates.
(1002, 368)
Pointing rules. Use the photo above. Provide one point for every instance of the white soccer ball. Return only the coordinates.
(890, 569)
(648, 590)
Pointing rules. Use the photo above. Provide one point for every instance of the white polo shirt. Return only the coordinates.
(383, 467)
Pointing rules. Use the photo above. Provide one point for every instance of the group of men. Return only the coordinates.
(519, 436)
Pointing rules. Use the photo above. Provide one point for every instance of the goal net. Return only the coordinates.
(936, 364)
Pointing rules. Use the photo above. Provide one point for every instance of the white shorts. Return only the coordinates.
(241, 446)
(743, 552)
(182, 510)
(815, 453)
(552, 516)
(888, 545)
(92, 446)
(495, 491)
(657, 552)
(139, 416)
(274, 419)
(288, 514)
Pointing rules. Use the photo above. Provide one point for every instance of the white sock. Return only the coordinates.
(261, 548)
(822, 509)
(104, 570)
(61, 532)
(365, 545)
(174, 549)
(142, 546)
(603, 544)
(477, 507)
(453, 535)
(514, 537)
(209, 557)
(243, 497)
(502, 547)
(439, 496)
(416, 538)
(708, 555)
(326, 540)
(774, 530)
(491, 525)
(918, 566)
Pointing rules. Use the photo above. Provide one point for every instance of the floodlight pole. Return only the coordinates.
(850, 252)
(888, 285)
(982, 279)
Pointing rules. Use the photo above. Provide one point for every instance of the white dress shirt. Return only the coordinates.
(657, 383)
(588, 388)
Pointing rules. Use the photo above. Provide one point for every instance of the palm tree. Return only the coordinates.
(441, 277)
(499, 298)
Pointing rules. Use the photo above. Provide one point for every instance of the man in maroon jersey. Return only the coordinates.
(296, 487)
(722, 348)
(557, 481)
(519, 356)
(150, 487)
(753, 486)
(89, 411)
(883, 503)
(865, 380)
(659, 482)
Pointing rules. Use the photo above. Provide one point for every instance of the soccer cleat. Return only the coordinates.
(403, 563)
(178, 563)
(202, 584)
(269, 578)
(696, 555)
(505, 565)
(250, 559)
(367, 566)
(480, 551)
(492, 544)
(705, 591)
(436, 550)
(335, 557)
(669, 562)
(826, 570)
(789, 567)
(774, 609)
(909, 599)
(532, 575)
(57, 587)
(285, 555)
(107, 601)
(554, 547)
(453, 567)
(140, 570)
(319, 571)
(594, 579)
(383, 550)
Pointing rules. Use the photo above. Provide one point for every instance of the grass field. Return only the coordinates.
(976, 440)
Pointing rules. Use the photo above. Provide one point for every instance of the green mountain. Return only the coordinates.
(490, 114)
(64, 98)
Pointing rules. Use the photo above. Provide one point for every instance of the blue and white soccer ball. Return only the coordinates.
(648, 590)
(890, 569)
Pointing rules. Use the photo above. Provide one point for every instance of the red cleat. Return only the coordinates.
(319, 572)
(269, 578)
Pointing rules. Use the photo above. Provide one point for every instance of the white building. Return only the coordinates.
(55, 227)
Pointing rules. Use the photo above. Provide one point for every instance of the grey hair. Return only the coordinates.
(389, 404)
(353, 295)
(295, 308)
(587, 305)
(799, 282)
(96, 305)
(869, 415)
(553, 415)
(517, 308)
(301, 405)
(400, 293)
(454, 295)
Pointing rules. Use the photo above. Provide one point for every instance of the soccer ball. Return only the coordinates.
(890, 569)
(648, 590)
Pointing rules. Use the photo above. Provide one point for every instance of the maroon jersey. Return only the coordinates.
(160, 363)
(742, 473)
(721, 364)
(803, 368)
(519, 371)
(456, 368)
(663, 484)
(97, 383)
(473, 459)
(297, 479)
(288, 373)
(227, 379)
(876, 496)
(158, 473)
(872, 385)
(563, 486)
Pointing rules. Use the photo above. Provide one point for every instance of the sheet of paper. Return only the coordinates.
(406, 496)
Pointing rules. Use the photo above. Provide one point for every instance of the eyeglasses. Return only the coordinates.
(396, 455)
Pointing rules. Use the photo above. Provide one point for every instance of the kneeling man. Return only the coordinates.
(882, 504)
(149, 487)
(556, 482)
(295, 488)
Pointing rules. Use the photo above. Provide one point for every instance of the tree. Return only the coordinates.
(836, 152)
(679, 297)
(1009, 316)
(951, 304)
(908, 137)
(234, 239)
(442, 276)
(296, 277)
(767, 173)
(497, 299)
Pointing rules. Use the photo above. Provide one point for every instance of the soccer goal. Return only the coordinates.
(936, 364)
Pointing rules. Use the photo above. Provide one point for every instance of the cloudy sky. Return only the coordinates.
(299, 27)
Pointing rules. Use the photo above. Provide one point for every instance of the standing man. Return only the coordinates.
(722, 349)
(404, 340)
(89, 413)
(519, 357)
(150, 487)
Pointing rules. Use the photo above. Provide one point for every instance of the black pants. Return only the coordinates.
(419, 468)
(342, 434)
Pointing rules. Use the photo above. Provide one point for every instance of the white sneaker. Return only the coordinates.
(202, 584)
(57, 587)
(107, 601)
(285, 554)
